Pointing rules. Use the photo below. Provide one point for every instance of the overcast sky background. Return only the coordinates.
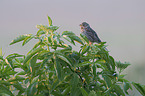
(121, 23)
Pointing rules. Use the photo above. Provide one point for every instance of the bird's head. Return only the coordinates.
(84, 25)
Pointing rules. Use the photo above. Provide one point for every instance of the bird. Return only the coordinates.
(89, 33)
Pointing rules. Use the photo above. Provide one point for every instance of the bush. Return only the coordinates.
(53, 68)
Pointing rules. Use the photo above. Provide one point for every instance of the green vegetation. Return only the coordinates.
(53, 68)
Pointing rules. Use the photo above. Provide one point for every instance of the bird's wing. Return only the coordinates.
(93, 35)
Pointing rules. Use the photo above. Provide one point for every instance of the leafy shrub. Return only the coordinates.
(53, 68)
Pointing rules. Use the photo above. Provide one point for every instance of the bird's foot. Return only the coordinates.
(90, 43)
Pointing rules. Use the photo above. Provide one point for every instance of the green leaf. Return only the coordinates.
(39, 95)
(35, 79)
(18, 86)
(37, 44)
(27, 39)
(85, 49)
(49, 39)
(84, 64)
(11, 72)
(40, 32)
(107, 80)
(122, 66)
(54, 85)
(139, 88)
(46, 28)
(112, 94)
(33, 64)
(14, 55)
(49, 20)
(74, 83)
(9, 61)
(92, 93)
(5, 90)
(72, 36)
(20, 38)
(28, 57)
(68, 39)
(126, 87)
(84, 37)
(1, 58)
(76, 92)
(66, 91)
(6, 83)
(21, 73)
(17, 78)
(58, 69)
(64, 59)
(94, 71)
(70, 33)
(118, 90)
(84, 93)
(77, 39)
(31, 90)
(112, 62)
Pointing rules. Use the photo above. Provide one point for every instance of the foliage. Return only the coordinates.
(53, 68)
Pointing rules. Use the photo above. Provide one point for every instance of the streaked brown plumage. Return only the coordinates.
(89, 33)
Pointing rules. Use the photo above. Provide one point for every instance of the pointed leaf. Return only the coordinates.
(66, 91)
(17, 78)
(121, 65)
(35, 79)
(5, 90)
(0, 51)
(126, 87)
(118, 90)
(94, 71)
(11, 72)
(54, 85)
(84, 64)
(84, 37)
(46, 28)
(21, 73)
(139, 88)
(49, 20)
(58, 69)
(18, 86)
(112, 62)
(92, 93)
(74, 81)
(1, 58)
(84, 93)
(40, 32)
(9, 61)
(77, 39)
(6, 83)
(20, 38)
(33, 64)
(85, 49)
(27, 39)
(31, 90)
(28, 57)
(64, 59)
(14, 55)
(68, 39)
(107, 80)
(36, 45)
(69, 33)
